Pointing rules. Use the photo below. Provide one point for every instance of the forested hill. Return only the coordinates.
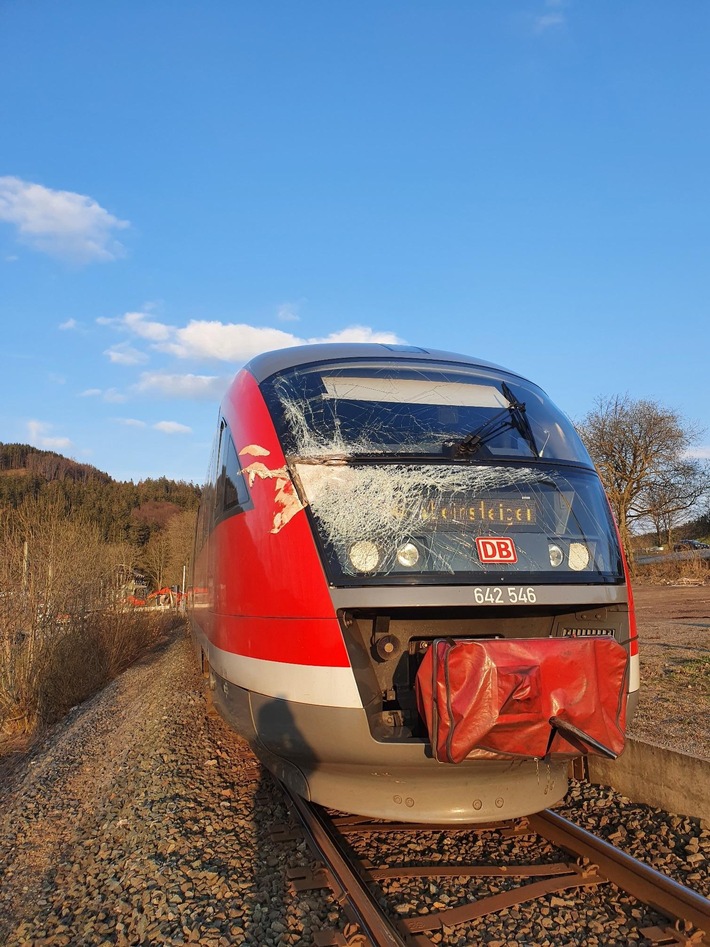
(22, 459)
(122, 510)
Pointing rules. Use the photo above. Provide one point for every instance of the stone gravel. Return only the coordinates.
(142, 819)
(591, 916)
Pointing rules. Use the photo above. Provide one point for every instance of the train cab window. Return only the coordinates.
(231, 492)
(416, 472)
(412, 410)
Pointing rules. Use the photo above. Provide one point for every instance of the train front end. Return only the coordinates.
(428, 577)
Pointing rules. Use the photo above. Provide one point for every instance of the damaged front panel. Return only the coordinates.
(536, 698)
(387, 647)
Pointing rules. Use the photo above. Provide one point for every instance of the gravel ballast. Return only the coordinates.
(141, 819)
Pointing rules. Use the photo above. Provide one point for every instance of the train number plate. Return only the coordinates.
(504, 595)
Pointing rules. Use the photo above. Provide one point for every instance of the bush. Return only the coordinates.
(63, 630)
(667, 569)
(44, 674)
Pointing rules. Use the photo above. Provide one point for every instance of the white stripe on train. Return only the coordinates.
(303, 683)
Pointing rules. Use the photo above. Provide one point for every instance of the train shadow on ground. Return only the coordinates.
(299, 915)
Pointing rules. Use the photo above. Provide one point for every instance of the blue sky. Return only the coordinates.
(185, 184)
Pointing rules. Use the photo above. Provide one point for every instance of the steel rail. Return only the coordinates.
(647, 885)
(368, 914)
(606, 863)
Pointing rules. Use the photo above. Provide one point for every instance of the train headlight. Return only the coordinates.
(364, 555)
(408, 555)
(578, 556)
(556, 555)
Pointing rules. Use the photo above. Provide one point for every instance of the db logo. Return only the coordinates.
(496, 549)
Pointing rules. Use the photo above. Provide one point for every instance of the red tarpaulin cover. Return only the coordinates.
(530, 697)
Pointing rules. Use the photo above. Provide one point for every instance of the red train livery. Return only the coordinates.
(408, 588)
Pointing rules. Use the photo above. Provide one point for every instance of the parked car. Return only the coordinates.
(685, 544)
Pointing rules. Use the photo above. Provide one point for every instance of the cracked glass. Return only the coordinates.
(441, 473)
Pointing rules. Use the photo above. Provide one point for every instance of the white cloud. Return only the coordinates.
(553, 18)
(114, 396)
(288, 312)
(231, 342)
(146, 329)
(69, 324)
(238, 342)
(38, 435)
(172, 427)
(224, 341)
(698, 453)
(63, 224)
(125, 354)
(196, 387)
(549, 21)
(359, 334)
(131, 422)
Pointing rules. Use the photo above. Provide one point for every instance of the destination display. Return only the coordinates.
(440, 513)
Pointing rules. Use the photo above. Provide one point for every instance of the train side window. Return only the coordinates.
(209, 493)
(235, 489)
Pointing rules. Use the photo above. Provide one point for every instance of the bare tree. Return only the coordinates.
(640, 450)
(169, 550)
(676, 492)
(180, 533)
(155, 559)
(56, 575)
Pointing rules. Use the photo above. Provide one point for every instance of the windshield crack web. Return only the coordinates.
(395, 504)
(376, 416)
(338, 426)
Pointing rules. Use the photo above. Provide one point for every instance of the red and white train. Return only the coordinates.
(408, 587)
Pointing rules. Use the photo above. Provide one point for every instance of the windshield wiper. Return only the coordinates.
(520, 418)
(513, 415)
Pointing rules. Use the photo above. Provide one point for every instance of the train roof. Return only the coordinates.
(271, 363)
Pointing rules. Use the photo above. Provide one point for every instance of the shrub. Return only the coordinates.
(64, 632)
(667, 569)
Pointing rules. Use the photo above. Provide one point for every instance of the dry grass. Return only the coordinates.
(87, 657)
(674, 708)
(667, 570)
(63, 633)
(47, 671)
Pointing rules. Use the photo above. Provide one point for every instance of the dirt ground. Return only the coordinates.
(674, 646)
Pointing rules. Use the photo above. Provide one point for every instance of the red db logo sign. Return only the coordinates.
(496, 549)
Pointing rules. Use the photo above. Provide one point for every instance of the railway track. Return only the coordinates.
(678, 914)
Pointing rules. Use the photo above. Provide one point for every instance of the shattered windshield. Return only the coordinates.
(400, 408)
(452, 521)
(441, 474)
